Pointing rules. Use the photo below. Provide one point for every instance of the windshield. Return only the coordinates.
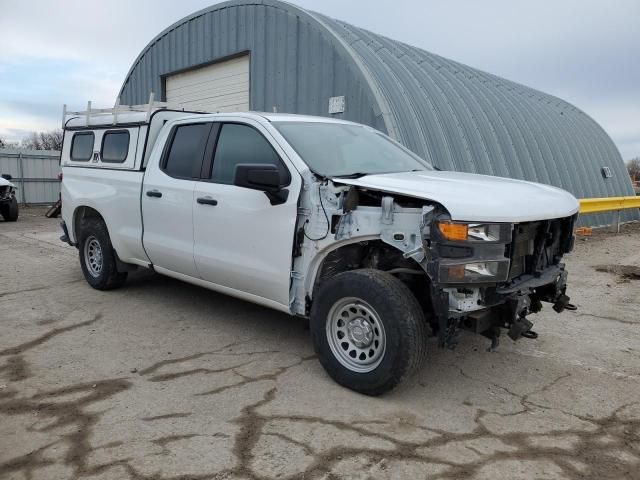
(340, 150)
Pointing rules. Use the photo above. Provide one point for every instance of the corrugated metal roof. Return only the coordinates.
(458, 117)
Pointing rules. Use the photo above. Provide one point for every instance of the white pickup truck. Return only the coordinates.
(319, 218)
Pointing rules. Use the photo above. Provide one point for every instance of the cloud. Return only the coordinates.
(109, 33)
(13, 135)
(53, 53)
(585, 51)
(34, 90)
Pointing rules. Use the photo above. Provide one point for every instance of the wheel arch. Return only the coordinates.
(348, 255)
(315, 266)
(83, 212)
(86, 212)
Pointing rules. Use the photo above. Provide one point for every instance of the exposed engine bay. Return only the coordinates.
(480, 277)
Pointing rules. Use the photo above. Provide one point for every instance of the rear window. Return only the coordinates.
(115, 146)
(184, 159)
(82, 146)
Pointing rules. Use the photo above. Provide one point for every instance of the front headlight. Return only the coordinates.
(469, 252)
(484, 233)
(474, 272)
(475, 232)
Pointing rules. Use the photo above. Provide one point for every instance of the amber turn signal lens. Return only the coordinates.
(453, 231)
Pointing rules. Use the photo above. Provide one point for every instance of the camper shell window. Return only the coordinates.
(115, 146)
(82, 146)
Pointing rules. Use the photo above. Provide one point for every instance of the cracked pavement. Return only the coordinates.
(163, 380)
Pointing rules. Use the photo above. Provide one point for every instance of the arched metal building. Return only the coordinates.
(270, 55)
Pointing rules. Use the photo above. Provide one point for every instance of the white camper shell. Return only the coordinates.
(136, 126)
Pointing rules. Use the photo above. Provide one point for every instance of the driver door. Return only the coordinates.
(242, 241)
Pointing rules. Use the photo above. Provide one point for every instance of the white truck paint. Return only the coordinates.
(317, 230)
(501, 199)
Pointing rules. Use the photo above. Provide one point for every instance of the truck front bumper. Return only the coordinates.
(488, 310)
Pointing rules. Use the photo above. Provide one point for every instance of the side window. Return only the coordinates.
(184, 157)
(82, 146)
(243, 144)
(115, 146)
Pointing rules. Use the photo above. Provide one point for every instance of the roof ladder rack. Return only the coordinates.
(88, 112)
(99, 113)
(150, 109)
(115, 110)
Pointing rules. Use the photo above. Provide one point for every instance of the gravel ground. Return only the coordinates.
(164, 380)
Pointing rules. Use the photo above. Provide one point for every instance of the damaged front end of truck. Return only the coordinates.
(483, 277)
(489, 277)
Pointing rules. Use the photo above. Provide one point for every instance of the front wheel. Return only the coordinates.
(97, 257)
(368, 330)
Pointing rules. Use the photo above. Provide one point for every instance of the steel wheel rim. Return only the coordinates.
(356, 335)
(93, 256)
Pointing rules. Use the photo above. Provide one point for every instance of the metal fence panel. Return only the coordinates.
(34, 172)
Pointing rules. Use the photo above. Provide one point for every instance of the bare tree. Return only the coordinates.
(633, 167)
(51, 140)
(7, 144)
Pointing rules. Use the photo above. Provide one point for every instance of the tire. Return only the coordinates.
(10, 210)
(354, 310)
(97, 257)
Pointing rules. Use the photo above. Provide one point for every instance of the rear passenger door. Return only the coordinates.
(242, 241)
(168, 198)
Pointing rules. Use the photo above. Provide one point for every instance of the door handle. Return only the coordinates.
(154, 193)
(207, 201)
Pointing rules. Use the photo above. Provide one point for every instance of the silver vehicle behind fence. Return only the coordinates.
(8, 200)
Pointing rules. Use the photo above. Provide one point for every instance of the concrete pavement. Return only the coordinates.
(164, 380)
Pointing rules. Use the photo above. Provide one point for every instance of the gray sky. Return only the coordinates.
(584, 51)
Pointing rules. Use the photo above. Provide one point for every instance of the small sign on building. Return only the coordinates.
(336, 104)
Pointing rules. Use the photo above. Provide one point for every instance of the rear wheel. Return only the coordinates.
(9, 210)
(368, 330)
(97, 257)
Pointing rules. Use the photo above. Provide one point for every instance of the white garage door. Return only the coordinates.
(221, 87)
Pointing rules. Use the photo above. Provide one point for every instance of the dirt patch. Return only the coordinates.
(625, 272)
(16, 369)
(236, 397)
(19, 349)
(77, 413)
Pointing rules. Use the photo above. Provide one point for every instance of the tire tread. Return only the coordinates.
(112, 278)
(406, 311)
(10, 211)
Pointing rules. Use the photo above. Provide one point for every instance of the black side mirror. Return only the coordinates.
(6, 176)
(264, 177)
(257, 176)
